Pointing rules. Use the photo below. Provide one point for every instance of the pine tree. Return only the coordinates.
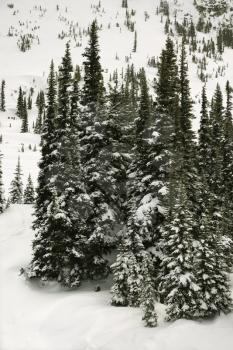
(24, 116)
(29, 102)
(29, 193)
(93, 88)
(97, 163)
(40, 103)
(210, 265)
(3, 99)
(217, 146)
(147, 297)
(45, 264)
(178, 283)
(204, 145)
(20, 104)
(127, 276)
(2, 199)
(135, 42)
(16, 190)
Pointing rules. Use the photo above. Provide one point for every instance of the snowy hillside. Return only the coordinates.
(45, 316)
(34, 317)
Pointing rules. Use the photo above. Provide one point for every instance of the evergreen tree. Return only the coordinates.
(40, 103)
(127, 276)
(147, 297)
(16, 190)
(178, 283)
(29, 193)
(96, 158)
(2, 199)
(20, 104)
(24, 116)
(29, 102)
(204, 146)
(45, 264)
(3, 99)
(217, 146)
(210, 265)
(93, 88)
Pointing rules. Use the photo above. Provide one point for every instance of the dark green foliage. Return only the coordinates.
(147, 298)
(2, 96)
(20, 104)
(16, 190)
(93, 89)
(2, 199)
(29, 193)
(24, 117)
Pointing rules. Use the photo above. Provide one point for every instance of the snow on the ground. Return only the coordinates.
(36, 317)
(33, 317)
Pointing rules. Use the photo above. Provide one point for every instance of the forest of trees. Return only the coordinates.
(123, 174)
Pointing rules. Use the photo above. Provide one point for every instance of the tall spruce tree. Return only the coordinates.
(93, 88)
(29, 193)
(24, 116)
(178, 283)
(20, 103)
(16, 190)
(2, 95)
(2, 199)
(96, 160)
(45, 262)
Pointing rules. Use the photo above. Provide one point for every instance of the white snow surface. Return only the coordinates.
(36, 317)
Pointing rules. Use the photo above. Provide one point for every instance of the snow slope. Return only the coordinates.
(33, 317)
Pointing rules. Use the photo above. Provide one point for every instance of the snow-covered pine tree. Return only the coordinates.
(185, 136)
(24, 116)
(29, 193)
(178, 282)
(2, 199)
(217, 145)
(40, 103)
(148, 293)
(71, 196)
(163, 143)
(210, 266)
(16, 190)
(3, 98)
(204, 144)
(95, 157)
(127, 277)
(93, 89)
(20, 103)
(45, 264)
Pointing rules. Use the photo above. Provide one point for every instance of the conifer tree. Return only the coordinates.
(96, 158)
(3, 98)
(29, 102)
(2, 199)
(147, 298)
(204, 145)
(45, 264)
(178, 282)
(40, 102)
(24, 116)
(20, 104)
(210, 265)
(127, 276)
(93, 88)
(16, 190)
(217, 146)
(29, 193)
